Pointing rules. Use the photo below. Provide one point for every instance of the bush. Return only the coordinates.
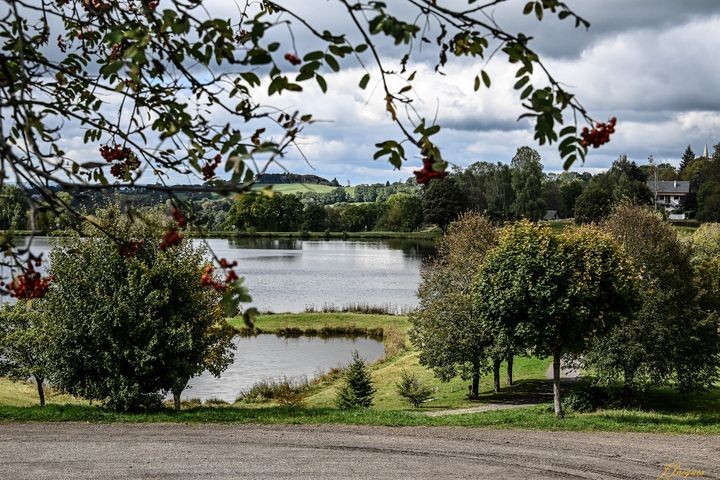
(412, 389)
(585, 400)
(357, 389)
(284, 391)
(128, 327)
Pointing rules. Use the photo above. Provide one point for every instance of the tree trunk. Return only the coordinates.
(629, 380)
(509, 369)
(556, 385)
(41, 392)
(496, 374)
(176, 400)
(475, 390)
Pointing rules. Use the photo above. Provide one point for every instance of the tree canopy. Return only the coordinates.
(168, 90)
(554, 293)
(446, 328)
(128, 326)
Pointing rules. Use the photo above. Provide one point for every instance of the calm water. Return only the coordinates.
(271, 357)
(289, 275)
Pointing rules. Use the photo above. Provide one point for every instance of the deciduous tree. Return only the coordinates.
(24, 345)
(129, 324)
(447, 330)
(669, 339)
(553, 294)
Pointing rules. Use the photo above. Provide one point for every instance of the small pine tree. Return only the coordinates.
(687, 158)
(411, 388)
(357, 389)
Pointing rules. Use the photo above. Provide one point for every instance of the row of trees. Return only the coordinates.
(502, 192)
(628, 299)
(123, 326)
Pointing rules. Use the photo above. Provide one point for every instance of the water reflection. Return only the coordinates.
(286, 275)
(264, 357)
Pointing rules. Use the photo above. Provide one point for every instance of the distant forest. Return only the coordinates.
(282, 178)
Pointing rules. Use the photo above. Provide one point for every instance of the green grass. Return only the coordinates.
(538, 418)
(24, 394)
(313, 322)
(659, 410)
(300, 188)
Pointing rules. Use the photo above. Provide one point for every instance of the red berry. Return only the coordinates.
(292, 58)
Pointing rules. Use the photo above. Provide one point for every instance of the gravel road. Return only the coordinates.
(174, 451)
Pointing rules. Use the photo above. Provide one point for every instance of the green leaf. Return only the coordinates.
(321, 83)
(332, 63)
(432, 130)
(476, 87)
(528, 8)
(316, 55)
(364, 81)
(485, 78)
(521, 83)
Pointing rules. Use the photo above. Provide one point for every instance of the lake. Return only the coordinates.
(289, 275)
(263, 357)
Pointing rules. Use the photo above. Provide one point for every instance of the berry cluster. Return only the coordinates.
(125, 160)
(179, 217)
(122, 169)
(130, 248)
(152, 4)
(208, 279)
(208, 170)
(599, 135)
(110, 154)
(29, 284)
(292, 58)
(171, 238)
(118, 49)
(427, 173)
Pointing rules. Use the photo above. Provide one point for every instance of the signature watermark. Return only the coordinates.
(675, 470)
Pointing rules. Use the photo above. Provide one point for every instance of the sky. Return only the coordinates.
(647, 62)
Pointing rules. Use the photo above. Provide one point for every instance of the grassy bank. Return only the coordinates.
(660, 410)
(333, 323)
(428, 235)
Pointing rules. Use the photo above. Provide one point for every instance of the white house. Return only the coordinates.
(669, 194)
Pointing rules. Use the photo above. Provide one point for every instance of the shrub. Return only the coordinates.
(127, 327)
(411, 388)
(284, 391)
(357, 389)
(585, 400)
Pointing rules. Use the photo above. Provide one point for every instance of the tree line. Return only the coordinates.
(626, 299)
(502, 192)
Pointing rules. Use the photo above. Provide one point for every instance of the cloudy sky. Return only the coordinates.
(647, 62)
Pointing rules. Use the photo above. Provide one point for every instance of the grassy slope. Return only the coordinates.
(301, 188)
(664, 410)
(24, 394)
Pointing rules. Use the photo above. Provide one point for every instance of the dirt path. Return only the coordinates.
(173, 451)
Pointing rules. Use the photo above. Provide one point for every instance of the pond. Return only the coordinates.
(263, 357)
(291, 275)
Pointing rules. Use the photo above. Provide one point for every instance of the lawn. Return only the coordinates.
(300, 188)
(659, 410)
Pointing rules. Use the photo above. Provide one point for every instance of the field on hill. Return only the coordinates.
(300, 188)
